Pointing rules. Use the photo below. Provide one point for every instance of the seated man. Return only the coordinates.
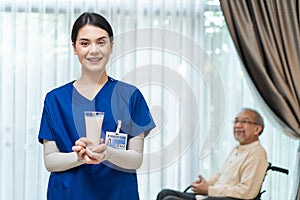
(242, 174)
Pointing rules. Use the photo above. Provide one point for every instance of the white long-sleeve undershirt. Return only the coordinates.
(132, 158)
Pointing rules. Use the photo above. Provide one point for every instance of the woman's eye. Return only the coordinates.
(102, 43)
(84, 44)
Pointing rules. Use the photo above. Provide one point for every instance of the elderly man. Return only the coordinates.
(242, 173)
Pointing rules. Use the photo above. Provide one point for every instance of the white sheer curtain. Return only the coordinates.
(180, 55)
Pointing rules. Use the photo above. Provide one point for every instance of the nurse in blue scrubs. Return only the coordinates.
(104, 172)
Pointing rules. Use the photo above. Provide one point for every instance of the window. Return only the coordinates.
(179, 53)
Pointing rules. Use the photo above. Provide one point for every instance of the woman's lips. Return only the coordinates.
(94, 60)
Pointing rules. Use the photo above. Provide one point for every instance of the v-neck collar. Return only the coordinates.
(82, 98)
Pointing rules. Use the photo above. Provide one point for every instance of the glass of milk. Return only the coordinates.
(93, 126)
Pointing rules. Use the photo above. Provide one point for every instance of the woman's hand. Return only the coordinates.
(88, 155)
(97, 154)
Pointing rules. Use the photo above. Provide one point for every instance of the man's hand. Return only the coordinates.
(200, 186)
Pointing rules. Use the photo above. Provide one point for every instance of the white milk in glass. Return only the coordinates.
(93, 124)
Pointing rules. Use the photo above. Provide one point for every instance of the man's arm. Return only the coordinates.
(214, 179)
(252, 173)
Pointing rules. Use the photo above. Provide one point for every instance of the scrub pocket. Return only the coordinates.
(58, 194)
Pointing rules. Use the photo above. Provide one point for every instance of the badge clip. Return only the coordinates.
(119, 126)
(116, 139)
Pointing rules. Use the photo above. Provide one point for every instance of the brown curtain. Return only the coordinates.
(266, 35)
(267, 38)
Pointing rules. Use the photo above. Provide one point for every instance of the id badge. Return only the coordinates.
(116, 140)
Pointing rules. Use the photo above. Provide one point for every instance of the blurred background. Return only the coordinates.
(177, 52)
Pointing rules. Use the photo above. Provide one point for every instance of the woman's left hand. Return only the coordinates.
(97, 154)
(86, 154)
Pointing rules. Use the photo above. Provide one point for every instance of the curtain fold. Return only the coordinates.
(297, 182)
(267, 38)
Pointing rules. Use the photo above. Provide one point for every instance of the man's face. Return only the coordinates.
(245, 128)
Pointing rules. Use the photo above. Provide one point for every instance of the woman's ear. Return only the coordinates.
(111, 47)
(74, 48)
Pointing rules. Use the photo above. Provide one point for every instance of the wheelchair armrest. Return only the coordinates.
(278, 169)
(186, 189)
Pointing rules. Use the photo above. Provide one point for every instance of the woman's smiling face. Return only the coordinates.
(93, 48)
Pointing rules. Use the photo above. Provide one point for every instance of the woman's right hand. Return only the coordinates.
(85, 154)
(80, 149)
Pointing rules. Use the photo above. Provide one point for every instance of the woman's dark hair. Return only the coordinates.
(92, 19)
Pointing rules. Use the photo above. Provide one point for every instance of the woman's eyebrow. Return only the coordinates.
(103, 37)
(84, 39)
(100, 38)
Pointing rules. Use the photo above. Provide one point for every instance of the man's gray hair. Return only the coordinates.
(258, 119)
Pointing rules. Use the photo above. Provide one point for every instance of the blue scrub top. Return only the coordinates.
(63, 122)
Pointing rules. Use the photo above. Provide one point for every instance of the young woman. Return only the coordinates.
(102, 172)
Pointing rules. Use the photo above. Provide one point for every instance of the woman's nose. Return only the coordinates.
(95, 48)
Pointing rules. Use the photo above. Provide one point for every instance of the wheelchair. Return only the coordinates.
(258, 197)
